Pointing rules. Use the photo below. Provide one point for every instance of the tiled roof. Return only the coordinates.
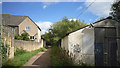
(14, 20)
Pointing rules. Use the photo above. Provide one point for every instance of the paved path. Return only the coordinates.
(40, 60)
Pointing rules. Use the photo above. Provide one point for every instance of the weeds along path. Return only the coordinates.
(40, 60)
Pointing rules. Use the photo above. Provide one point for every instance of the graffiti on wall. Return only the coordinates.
(77, 48)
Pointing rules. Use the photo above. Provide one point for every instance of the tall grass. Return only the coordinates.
(20, 58)
(59, 58)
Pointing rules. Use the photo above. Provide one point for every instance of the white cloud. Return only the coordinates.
(44, 26)
(79, 8)
(45, 6)
(72, 19)
(101, 8)
(90, 19)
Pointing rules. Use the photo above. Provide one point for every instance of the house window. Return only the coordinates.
(32, 37)
(27, 28)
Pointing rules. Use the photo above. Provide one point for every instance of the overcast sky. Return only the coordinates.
(46, 13)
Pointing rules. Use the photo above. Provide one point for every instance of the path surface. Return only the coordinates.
(40, 60)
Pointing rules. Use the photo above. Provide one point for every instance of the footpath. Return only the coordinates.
(40, 60)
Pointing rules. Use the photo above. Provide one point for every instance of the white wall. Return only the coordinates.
(81, 42)
(64, 43)
(80, 46)
(75, 38)
(88, 46)
(39, 35)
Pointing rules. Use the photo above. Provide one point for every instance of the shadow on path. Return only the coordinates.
(40, 60)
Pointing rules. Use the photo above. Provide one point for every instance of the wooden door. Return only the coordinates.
(105, 46)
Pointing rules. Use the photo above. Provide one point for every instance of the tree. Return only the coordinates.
(48, 37)
(60, 29)
(116, 11)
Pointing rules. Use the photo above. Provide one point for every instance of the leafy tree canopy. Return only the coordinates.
(116, 11)
(60, 29)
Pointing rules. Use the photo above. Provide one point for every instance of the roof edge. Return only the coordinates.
(34, 23)
(89, 25)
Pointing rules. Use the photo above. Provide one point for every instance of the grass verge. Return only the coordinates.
(20, 58)
(59, 58)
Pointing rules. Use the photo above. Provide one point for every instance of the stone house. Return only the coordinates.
(95, 44)
(22, 24)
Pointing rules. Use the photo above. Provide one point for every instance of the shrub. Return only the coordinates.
(17, 37)
(20, 51)
(59, 57)
(24, 36)
(46, 47)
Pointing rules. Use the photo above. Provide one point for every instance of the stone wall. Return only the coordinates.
(8, 41)
(28, 45)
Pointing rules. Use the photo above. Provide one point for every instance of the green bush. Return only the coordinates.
(17, 37)
(24, 36)
(46, 47)
(59, 57)
(20, 51)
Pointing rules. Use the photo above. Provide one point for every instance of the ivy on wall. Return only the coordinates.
(5, 51)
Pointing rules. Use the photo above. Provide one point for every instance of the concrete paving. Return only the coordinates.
(40, 60)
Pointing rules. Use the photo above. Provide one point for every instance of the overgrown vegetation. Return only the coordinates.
(20, 58)
(5, 51)
(24, 36)
(116, 11)
(20, 51)
(46, 47)
(55, 33)
(60, 29)
(59, 58)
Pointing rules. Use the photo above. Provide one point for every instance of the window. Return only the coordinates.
(27, 28)
(32, 37)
